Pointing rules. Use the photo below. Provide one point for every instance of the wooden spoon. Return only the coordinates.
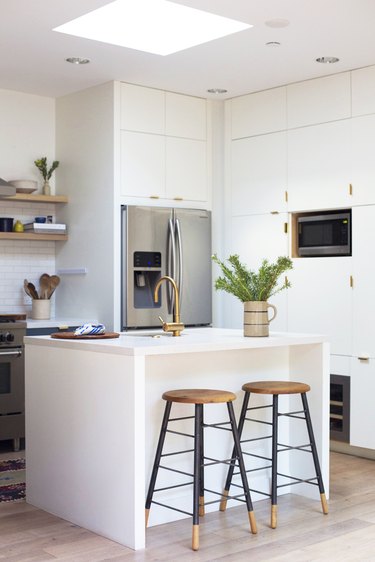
(54, 280)
(44, 283)
(33, 291)
(25, 286)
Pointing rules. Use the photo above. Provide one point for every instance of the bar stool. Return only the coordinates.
(199, 397)
(275, 388)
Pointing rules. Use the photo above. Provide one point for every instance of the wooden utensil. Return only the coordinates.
(44, 283)
(25, 286)
(54, 280)
(33, 291)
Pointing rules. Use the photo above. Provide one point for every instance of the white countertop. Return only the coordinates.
(192, 340)
(57, 322)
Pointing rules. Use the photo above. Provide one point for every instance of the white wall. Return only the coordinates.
(85, 144)
(27, 132)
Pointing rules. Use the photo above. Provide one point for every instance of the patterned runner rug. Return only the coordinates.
(12, 480)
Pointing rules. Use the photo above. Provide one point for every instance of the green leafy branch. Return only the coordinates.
(41, 164)
(247, 285)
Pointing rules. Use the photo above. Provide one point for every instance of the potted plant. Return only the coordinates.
(253, 289)
(41, 164)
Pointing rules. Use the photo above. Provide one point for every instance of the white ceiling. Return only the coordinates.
(32, 56)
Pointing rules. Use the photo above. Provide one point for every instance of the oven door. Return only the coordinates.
(12, 381)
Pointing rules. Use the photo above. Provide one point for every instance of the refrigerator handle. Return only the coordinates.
(180, 274)
(171, 264)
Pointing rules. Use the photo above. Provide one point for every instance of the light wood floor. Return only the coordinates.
(303, 535)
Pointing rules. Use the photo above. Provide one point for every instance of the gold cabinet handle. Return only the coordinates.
(350, 189)
(351, 281)
(154, 196)
(178, 198)
(364, 358)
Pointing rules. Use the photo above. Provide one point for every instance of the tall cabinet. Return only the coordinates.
(124, 144)
(302, 148)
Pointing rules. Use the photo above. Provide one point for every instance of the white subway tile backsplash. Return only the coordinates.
(23, 259)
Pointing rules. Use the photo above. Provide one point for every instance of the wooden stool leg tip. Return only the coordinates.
(273, 516)
(147, 514)
(195, 539)
(201, 506)
(253, 523)
(223, 503)
(323, 499)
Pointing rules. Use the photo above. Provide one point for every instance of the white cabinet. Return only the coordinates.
(259, 113)
(256, 238)
(259, 168)
(142, 165)
(319, 169)
(142, 109)
(185, 116)
(319, 100)
(363, 160)
(186, 169)
(363, 229)
(362, 392)
(320, 300)
(363, 91)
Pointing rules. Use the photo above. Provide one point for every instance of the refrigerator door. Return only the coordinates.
(144, 261)
(193, 275)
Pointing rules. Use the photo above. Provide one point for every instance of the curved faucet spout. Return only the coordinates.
(176, 327)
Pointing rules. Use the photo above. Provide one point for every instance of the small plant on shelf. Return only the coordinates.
(46, 172)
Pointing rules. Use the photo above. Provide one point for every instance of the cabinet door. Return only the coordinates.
(255, 238)
(185, 116)
(142, 109)
(142, 165)
(363, 91)
(363, 161)
(186, 169)
(319, 171)
(259, 166)
(319, 100)
(320, 300)
(258, 113)
(362, 392)
(363, 233)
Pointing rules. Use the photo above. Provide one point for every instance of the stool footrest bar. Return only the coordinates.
(172, 508)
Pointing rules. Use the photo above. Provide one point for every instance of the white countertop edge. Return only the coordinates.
(190, 341)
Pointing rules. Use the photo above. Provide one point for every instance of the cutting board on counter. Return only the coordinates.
(73, 336)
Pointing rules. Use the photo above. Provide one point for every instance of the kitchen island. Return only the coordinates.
(94, 408)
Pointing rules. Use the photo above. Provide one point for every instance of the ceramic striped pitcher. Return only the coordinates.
(256, 321)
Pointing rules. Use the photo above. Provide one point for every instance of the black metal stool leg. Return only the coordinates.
(275, 415)
(158, 454)
(201, 472)
(198, 423)
(245, 403)
(241, 464)
(314, 454)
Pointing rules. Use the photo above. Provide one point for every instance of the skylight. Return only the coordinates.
(155, 26)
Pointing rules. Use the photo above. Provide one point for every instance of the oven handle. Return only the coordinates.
(17, 352)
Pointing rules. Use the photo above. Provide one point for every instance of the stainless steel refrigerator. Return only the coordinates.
(159, 241)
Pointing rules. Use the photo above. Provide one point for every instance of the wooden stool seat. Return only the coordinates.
(276, 387)
(199, 396)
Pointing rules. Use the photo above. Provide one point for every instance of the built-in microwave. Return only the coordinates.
(325, 234)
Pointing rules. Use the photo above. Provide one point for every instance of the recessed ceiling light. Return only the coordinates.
(77, 60)
(155, 26)
(217, 91)
(277, 22)
(273, 44)
(327, 60)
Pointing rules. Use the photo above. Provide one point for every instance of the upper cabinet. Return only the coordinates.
(185, 116)
(319, 100)
(363, 161)
(363, 91)
(163, 145)
(142, 109)
(259, 113)
(259, 174)
(319, 168)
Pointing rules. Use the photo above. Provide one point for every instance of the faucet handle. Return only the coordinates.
(161, 320)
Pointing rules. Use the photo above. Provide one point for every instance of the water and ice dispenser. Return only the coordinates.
(146, 273)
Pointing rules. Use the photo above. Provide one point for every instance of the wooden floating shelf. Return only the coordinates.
(35, 198)
(31, 236)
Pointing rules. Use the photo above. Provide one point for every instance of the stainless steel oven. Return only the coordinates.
(12, 379)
